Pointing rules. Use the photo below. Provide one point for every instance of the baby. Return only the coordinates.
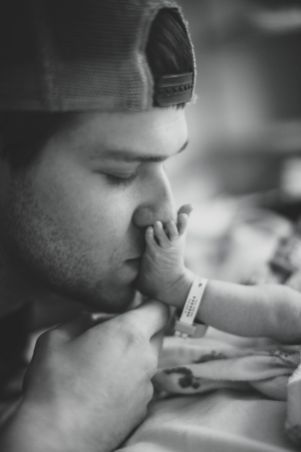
(264, 310)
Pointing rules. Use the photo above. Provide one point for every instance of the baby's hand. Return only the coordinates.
(163, 260)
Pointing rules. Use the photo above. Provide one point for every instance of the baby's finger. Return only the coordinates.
(149, 236)
(182, 223)
(171, 230)
(186, 208)
(160, 234)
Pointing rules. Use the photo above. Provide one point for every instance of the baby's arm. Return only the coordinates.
(264, 310)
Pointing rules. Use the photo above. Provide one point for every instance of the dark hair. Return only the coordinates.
(168, 52)
(23, 133)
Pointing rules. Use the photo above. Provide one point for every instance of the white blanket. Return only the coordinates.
(223, 420)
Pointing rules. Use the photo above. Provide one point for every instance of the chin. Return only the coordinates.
(108, 298)
(111, 302)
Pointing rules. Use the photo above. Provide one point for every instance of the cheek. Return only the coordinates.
(92, 212)
(86, 214)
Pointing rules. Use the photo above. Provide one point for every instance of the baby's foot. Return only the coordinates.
(163, 260)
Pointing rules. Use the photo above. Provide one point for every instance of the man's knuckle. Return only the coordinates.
(49, 340)
(43, 341)
(132, 332)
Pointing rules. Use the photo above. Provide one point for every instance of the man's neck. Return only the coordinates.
(14, 289)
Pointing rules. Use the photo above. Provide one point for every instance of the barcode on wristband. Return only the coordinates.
(193, 301)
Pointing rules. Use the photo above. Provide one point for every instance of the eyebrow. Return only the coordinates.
(127, 155)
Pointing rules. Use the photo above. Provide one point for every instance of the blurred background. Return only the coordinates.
(243, 167)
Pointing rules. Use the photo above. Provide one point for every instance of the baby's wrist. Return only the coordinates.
(181, 287)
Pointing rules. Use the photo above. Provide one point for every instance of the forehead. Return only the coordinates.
(158, 131)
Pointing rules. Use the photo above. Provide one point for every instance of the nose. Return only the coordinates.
(158, 203)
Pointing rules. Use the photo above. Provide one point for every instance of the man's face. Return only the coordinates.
(76, 216)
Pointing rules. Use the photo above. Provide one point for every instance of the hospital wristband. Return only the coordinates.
(185, 326)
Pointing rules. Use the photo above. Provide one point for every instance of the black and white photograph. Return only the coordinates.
(150, 225)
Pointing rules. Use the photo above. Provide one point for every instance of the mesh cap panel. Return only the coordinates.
(73, 55)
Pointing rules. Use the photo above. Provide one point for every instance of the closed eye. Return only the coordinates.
(119, 180)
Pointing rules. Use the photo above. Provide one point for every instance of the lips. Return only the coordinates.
(134, 261)
(133, 265)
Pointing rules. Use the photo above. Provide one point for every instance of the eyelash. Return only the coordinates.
(120, 181)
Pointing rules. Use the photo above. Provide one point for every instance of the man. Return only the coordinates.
(91, 100)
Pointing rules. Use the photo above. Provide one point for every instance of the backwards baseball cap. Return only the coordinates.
(75, 55)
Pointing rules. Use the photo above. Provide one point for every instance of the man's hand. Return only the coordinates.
(88, 385)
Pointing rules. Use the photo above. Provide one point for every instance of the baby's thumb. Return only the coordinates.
(186, 208)
(183, 217)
